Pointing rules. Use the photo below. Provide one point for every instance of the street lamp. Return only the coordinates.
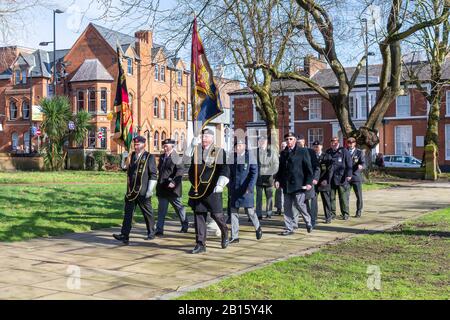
(46, 43)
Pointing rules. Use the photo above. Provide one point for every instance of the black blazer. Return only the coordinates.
(316, 172)
(295, 170)
(325, 162)
(341, 166)
(169, 172)
(357, 159)
(149, 171)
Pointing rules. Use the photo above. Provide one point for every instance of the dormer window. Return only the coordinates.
(163, 74)
(130, 66)
(156, 72)
(24, 76)
(180, 77)
(17, 76)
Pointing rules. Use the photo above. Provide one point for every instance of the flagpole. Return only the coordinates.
(194, 124)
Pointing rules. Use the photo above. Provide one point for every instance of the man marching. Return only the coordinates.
(208, 179)
(356, 182)
(295, 176)
(168, 189)
(141, 174)
(323, 184)
(243, 175)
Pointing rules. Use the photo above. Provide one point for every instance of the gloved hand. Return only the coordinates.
(151, 187)
(221, 183)
(194, 143)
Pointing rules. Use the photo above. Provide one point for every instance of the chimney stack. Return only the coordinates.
(312, 65)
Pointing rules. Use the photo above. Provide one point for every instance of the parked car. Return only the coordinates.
(398, 161)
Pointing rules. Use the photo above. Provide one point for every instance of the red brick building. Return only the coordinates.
(157, 81)
(305, 112)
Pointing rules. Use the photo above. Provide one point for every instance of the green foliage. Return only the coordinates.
(99, 157)
(113, 159)
(55, 127)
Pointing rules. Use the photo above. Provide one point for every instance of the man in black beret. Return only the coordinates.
(295, 175)
(168, 189)
(141, 182)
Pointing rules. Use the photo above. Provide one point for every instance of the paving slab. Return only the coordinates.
(164, 268)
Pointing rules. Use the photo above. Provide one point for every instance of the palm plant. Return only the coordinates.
(57, 114)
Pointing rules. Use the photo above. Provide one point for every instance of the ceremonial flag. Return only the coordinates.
(124, 119)
(205, 95)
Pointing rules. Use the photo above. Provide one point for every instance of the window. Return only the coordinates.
(103, 140)
(156, 108)
(25, 110)
(80, 100)
(362, 107)
(163, 109)
(104, 100)
(26, 142)
(315, 134)
(14, 141)
(352, 106)
(130, 99)
(17, 77)
(156, 141)
(315, 109)
(176, 137)
(163, 136)
(403, 140)
(182, 111)
(447, 102)
(91, 139)
(180, 77)
(156, 72)
(175, 110)
(12, 110)
(92, 101)
(50, 90)
(130, 66)
(447, 142)
(24, 76)
(182, 139)
(403, 106)
(163, 73)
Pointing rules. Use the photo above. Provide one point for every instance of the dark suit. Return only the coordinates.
(357, 157)
(149, 173)
(341, 168)
(212, 166)
(324, 184)
(311, 196)
(170, 170)
(294, 173)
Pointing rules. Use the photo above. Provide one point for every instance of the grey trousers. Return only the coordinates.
(163, 205)
(235, 220)
(269, 202)
(279, 199)
(295, 201)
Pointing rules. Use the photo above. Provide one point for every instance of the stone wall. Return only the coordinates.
(27, 163)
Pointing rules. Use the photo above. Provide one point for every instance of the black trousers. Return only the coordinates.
(357, 188)
(313, 206)
(147, 212)
(201, 228)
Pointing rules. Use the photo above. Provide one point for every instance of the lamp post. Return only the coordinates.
(45, 43)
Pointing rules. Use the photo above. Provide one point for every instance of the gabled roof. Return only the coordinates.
(91, 70)
(112, 37)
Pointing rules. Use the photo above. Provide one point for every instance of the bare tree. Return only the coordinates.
(319, 30)
(427, 74)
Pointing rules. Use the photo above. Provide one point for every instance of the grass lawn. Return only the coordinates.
(42, 204)
(414, 261)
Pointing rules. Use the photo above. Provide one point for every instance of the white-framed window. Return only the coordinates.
(92, 136)
(403, 140)
(156, 108)
(176, 137)
(182, 111)
(103, 140)
(256, 115)
(92, 102)
(129, 66)
(163, 109)
(352, 106)
(180, 77)
(24, 76)
(104, 100)
(163, 74)
(315, 134)
(447, 142)
(80, 100)
(12, 110)
(14, 140)
(175, 110)
(315, 109)
(17, 76)
(156, 72)
(447, 102)
(403, 106)
(156, 141)
(25, 110)
(358, 106)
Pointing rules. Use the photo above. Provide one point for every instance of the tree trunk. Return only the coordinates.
(432, 134)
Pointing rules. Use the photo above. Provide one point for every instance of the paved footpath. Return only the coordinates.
(164, 268)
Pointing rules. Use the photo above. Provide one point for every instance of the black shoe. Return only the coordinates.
(233, 240)
(199, 249)
(224, 240)
(279, 212)
(286, 233)
(150, 236)
(159, 234)
(358, 215)
(259, 218)
(184, 229)
(309, 228)
(259, 233)
(228, 220)
(268, 216)
(328, 221)
(121, 237)
(345, 217)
